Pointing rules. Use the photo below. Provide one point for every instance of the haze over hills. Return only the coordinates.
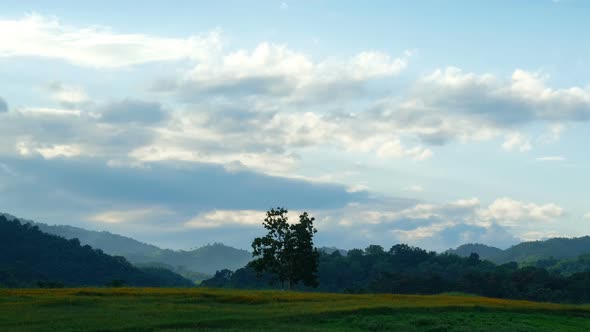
(206, 260)
(200, 263)
(30, 257)
(527, 252)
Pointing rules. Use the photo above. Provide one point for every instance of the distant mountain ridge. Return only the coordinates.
(30, 257)
(528, 252)
(484, 251)
(207, 259)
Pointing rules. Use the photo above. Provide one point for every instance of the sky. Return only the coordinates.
(432, 123)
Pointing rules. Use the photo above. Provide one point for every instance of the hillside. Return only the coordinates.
(30, 257)
(205, 260)
(528, 252)
(484, 252)
(559, 248)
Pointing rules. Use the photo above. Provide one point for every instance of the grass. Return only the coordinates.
(139, 309)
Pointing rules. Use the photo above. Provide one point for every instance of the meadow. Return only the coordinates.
(162, 309)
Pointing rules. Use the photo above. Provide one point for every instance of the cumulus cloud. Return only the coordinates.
(41, 36)
(509, 211)
(274, 70)
(450, 104)
(444, 225)
(524, 98)
(66, 132)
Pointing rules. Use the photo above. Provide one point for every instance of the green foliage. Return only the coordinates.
(410, 270)
(566, 267)
(29, 257)
(287, 251)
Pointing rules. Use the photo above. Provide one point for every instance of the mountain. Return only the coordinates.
(331, 250)
(30, 257)
(559, 248)
(484, 252)
(205, 260)
(528, 252)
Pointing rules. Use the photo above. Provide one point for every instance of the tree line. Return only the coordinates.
(286, 253)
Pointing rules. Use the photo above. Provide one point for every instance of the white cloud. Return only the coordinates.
(275, 70)
(421, 233)
(220, 218)
(225, 218)
(59, 151)
(508, 211)
(517, 141)
(415, 188)
(539, 235)
(49, 112)
(41, 36)
(127, 216)
(65, 94)
(551, 158)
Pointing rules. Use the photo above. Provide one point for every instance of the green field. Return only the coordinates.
(134, 309)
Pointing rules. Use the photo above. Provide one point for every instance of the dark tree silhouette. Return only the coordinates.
(287, 251)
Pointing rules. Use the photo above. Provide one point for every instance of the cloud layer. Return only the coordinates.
(206, 147)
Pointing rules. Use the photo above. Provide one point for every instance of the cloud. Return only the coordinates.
(524, 98)
(274, 70)
(450, 104)
(517, 141)
(51, 132)
(41, 36)
(439, 226)
(126, 216)
(508, 211)
(551, 158)
(221, 218)
(3, 105)
(181, 205)
(68, 96)
(187, 189)
(131, 111)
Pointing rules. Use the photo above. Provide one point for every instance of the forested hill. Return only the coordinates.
(528, 252)
(409, 270)
(30, 257)
(207, 259)
(484, 252)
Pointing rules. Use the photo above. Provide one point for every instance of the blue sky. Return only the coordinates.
(433, 123)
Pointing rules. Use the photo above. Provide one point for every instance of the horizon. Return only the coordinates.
(211, 244)
(178, 125)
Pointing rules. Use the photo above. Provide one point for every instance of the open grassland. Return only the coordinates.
(140, 309)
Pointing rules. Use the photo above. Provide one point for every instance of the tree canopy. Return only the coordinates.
(287, 252)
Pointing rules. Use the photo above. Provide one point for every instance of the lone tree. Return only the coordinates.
(287, 251)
